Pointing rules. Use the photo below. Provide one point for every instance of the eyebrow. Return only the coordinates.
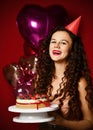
(52, 39)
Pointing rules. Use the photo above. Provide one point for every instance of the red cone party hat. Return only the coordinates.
(73, 27)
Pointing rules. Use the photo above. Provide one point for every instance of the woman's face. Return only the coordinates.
(60, 46)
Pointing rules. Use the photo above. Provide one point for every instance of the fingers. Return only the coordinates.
(57, 100)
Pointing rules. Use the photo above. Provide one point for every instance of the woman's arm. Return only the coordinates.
(73, 125)
(87, 122)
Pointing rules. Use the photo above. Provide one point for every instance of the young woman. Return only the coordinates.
(64, 75)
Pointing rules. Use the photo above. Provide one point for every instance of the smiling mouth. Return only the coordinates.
(56, 52)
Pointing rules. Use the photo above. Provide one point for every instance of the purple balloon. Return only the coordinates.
(32, 24)
(35, 22)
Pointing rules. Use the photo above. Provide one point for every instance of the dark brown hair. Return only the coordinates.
(77, 67)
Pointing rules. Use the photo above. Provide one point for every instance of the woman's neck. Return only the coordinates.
(60, 69)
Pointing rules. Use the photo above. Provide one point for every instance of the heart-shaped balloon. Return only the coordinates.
(32, 24)
(35, 22)
(22, 76)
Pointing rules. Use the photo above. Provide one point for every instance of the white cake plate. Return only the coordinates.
(33, 115)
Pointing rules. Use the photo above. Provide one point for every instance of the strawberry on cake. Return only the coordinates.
(37, 101)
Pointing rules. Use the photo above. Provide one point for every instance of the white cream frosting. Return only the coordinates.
(26, 101)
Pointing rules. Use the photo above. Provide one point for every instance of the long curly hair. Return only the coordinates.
(77, 67)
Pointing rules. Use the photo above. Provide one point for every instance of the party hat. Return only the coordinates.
(73, 26)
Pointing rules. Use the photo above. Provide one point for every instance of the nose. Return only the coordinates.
(57, 45)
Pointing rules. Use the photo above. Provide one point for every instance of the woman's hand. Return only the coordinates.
(57, 118)
(64, 109)
(56, 101)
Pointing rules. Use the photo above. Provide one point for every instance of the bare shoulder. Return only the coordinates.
(82, 84)
(82, 91)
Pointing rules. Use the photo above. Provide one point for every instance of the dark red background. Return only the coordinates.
(11, 46)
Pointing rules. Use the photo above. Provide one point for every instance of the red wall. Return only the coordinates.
(11, 46)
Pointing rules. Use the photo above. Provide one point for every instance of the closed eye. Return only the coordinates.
(52, 41)
(62, 42)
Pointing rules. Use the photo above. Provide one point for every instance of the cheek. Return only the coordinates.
(50, 48)
(66, 50)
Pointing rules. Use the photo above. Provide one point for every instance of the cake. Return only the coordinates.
(37, 101)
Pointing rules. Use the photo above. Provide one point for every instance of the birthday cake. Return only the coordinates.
(37, 101)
